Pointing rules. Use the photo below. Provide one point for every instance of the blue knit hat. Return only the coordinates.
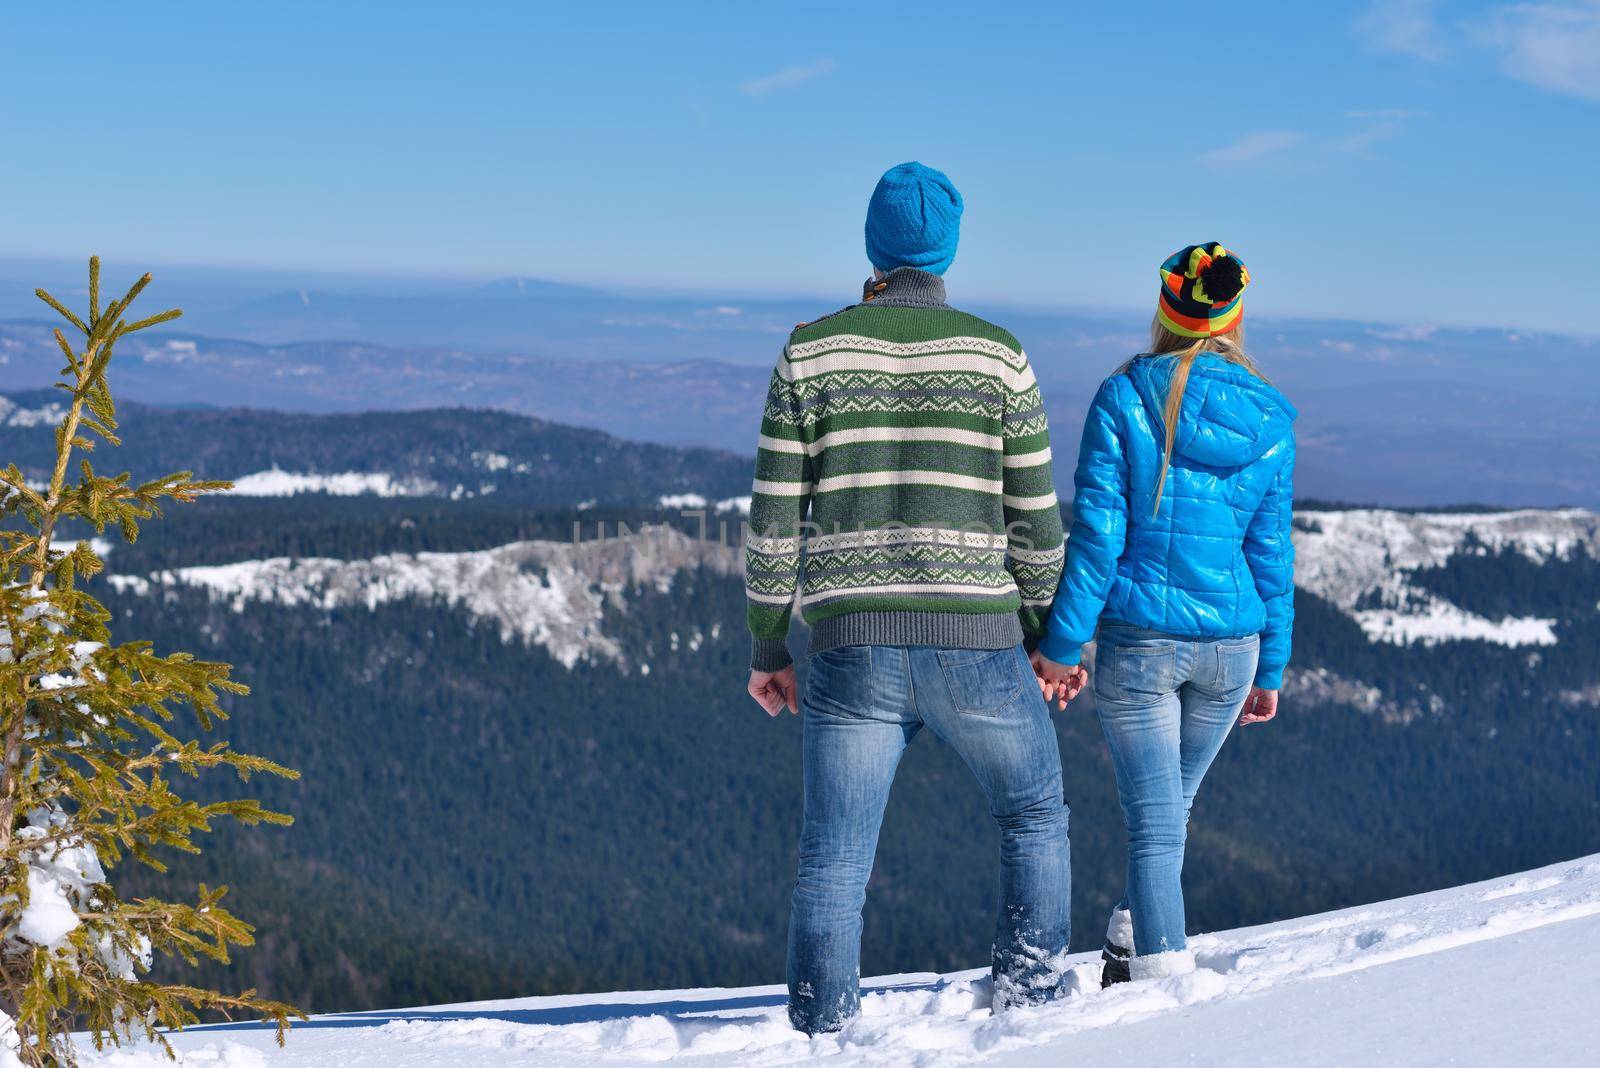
(913, 220)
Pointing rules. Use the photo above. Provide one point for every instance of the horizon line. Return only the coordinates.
(633, 291)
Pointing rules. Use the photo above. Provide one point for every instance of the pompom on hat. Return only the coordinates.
(913, 220)
(1202, 291)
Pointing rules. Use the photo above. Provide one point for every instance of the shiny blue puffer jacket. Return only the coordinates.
(1216, 560)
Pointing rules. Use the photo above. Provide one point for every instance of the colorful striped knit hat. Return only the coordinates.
(1202, 289)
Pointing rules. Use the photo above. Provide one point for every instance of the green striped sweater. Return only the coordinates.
(903, 484)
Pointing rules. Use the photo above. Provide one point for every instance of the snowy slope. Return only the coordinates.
(1495, 973)
(1350, 557)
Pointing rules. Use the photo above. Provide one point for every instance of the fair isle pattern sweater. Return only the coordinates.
(903, 484)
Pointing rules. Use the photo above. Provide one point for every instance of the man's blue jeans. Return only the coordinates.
(1166, 706)
(862, 706)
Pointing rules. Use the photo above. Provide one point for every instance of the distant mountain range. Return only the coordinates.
(528, 316)
(452, 453)
(1408, 415)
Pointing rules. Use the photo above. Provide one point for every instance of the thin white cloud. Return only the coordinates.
(788, 78)
(1253, 148)
(1377, 125)
(1369, 128)
(1551, 46)
(1410, 27)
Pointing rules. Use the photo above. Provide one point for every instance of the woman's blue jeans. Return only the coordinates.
(1166, 705)
(863, 705)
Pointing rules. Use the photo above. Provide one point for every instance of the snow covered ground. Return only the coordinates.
(1349, 556)
(1501, 972)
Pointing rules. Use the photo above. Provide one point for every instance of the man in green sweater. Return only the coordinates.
(903, 492)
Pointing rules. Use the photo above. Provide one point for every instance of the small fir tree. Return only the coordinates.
(88, 750)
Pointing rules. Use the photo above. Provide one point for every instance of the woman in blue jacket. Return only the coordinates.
(1180, 564)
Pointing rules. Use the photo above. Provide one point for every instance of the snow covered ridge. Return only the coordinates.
(13, 415)
(547, 593)
(1348, 557)
(695, 502)
(1493, 973)
(1345, 557)
(276, 483)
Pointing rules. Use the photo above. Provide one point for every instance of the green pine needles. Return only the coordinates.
(90, 752)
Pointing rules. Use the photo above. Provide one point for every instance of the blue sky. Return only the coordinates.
(1411, 161)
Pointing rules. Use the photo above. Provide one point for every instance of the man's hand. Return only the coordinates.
(1058, 682)
(774, 689)
(1260, 706)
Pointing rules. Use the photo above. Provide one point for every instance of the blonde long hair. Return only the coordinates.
(1163, 342)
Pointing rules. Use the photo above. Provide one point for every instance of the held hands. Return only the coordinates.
(1058, 682)
(774, 689)
(1259, 707)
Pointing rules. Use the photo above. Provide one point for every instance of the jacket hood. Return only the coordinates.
(1229, 418)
